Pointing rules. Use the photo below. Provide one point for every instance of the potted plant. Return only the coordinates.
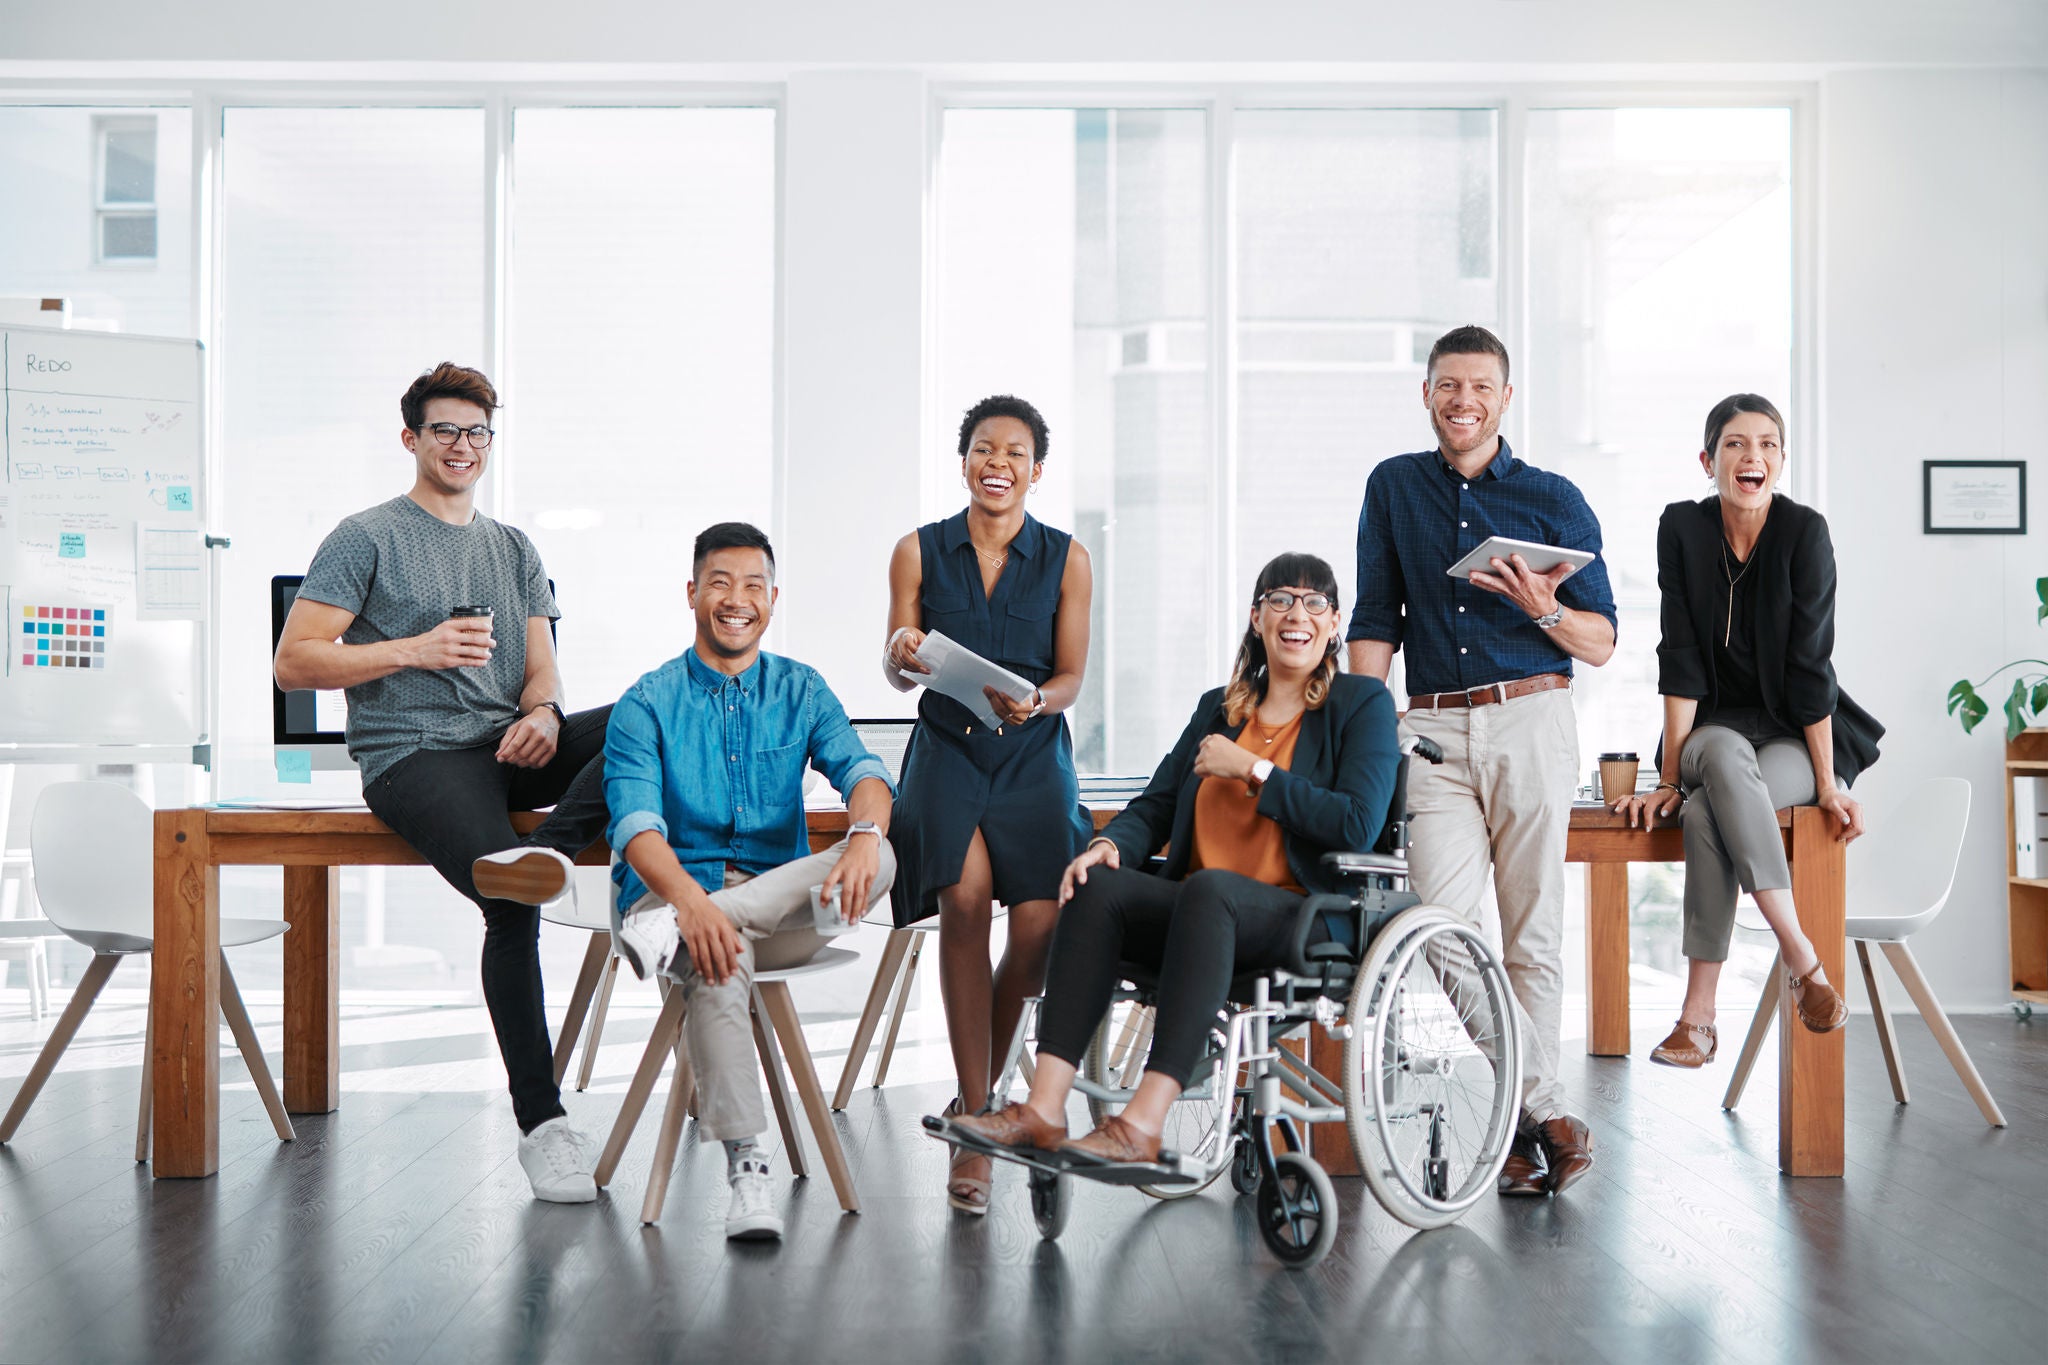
(2028, 699)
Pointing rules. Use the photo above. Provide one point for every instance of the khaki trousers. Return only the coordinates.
(1501, 801)
(772, 911)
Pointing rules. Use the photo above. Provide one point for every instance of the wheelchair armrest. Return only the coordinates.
(1340, 914)
(1365, 864)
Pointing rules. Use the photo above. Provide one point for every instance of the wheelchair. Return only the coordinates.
(1431, 1086)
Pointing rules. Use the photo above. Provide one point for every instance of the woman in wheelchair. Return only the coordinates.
(1291, 760)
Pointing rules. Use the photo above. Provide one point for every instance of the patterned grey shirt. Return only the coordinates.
(402, 570)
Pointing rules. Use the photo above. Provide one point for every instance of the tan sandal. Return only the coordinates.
(1821, 1007)
(1682, 1048)
(966, 1193)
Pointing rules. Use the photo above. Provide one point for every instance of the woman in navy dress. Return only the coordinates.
(989, 815)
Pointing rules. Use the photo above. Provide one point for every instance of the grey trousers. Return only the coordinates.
(1736, 777)
(773, 914)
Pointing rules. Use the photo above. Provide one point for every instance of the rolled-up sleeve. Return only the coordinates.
(1681, 668)
(1376, 614)
(835, 750)
(632, 772)
(1589, 588)
(1810, 689)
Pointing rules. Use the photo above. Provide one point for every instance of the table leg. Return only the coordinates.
(1607, 959)
(1810, 1093)
(184, 999)
(312, 990)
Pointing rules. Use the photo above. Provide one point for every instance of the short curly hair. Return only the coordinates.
(1005, 405)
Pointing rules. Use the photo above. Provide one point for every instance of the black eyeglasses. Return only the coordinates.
(447, 432)
(1315, 603)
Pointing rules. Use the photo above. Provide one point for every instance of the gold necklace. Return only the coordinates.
(1728, 631)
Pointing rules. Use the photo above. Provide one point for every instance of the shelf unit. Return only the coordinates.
(2026, 897)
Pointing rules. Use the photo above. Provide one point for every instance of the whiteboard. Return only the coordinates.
(102, 540)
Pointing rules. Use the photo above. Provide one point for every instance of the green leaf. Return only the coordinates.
(1973, 710)
(1959, 694)
(2040, 701)
(2041, 591)
(2016, 711)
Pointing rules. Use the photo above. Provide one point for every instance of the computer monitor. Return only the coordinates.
(886, 739)
(303, 718)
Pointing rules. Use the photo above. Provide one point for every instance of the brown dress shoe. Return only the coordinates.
(1114, 1143)
(1683, 1048)
(1523, 1173)
(1568, 1144)
(1016, 1126)
(1821, 1007)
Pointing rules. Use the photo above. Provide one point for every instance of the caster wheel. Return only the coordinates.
(1297, 1211)
(1049, 1204)
(1244, 1167)
(2022, 1010)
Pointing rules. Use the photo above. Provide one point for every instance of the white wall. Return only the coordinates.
(1935, 346)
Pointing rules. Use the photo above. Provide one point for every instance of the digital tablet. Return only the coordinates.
(1540, 558)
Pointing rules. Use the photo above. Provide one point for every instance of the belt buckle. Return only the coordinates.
(1495, 692)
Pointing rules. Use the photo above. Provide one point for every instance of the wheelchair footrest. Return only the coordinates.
(1165, 1171)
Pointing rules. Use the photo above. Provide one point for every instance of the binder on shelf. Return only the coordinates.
(2030, 826)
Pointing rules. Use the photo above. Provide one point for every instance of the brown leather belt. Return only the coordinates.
(1492, 692)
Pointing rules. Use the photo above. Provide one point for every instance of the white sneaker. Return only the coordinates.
(752, 1216)
(529, 875)
(648, 940)
(558, 1161)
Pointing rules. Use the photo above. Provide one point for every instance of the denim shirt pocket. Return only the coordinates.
(1028, 632)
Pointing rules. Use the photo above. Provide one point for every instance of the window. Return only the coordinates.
(126, 208)
(1073, 253)
(54, 184)
(1362, 235)
(640, 384)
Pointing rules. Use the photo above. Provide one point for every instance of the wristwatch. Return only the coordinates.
(1262, 770)
(863, 827)
(1550, 620)
(561, 716)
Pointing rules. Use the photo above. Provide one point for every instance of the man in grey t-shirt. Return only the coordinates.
(456, 721)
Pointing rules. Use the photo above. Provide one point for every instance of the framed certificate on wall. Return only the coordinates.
(1974, 497)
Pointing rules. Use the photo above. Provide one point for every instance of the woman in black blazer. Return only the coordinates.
(1753, 719)
(1291, 760)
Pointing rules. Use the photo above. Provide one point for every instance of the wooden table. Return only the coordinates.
(192, 845)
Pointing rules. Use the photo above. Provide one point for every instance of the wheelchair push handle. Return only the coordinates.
(1428, 750)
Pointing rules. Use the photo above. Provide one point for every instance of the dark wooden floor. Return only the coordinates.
(400, 1229)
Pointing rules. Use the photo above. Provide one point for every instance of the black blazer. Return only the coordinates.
(1794, 562)
(1333, 798)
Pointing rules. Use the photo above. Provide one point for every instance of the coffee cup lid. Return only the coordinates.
(1619, 758)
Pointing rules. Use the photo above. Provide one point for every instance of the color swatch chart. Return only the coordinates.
(63, 637)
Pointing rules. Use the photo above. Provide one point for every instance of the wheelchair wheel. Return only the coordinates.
(1432, 1070)
(1049, 1204)
(1297, 1209)
(1198, 1124)
(1245, 1172)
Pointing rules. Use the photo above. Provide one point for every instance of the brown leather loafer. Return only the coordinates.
(1114, 1143)
(1016, 1126)
(1523, 1173)
(1568, 1145)
(1683, 1048)
(1821, 1007)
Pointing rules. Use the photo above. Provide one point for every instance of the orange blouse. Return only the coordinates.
(1229, 833)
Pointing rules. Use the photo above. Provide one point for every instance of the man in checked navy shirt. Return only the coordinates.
(1489, 679)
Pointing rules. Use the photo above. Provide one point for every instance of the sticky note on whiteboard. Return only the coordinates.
(179, 498)
(71, 545)
(295, 765)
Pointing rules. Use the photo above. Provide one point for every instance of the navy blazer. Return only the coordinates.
(1794, 562)
(1333, 797)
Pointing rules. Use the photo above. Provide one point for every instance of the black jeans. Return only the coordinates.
(453, 806)
(1195, 934)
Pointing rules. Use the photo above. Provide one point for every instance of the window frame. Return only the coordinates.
(1512, 103)
(104, 126)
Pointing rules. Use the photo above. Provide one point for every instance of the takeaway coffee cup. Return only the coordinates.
(1617, 776)
(825, 912)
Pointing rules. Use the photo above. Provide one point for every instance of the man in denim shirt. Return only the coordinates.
(704, 765)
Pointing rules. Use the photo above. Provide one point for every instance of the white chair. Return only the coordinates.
(591, 998)
(1899, 880)
(895, 973)
(92, 843)
(23, 933)
(775, 1019)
